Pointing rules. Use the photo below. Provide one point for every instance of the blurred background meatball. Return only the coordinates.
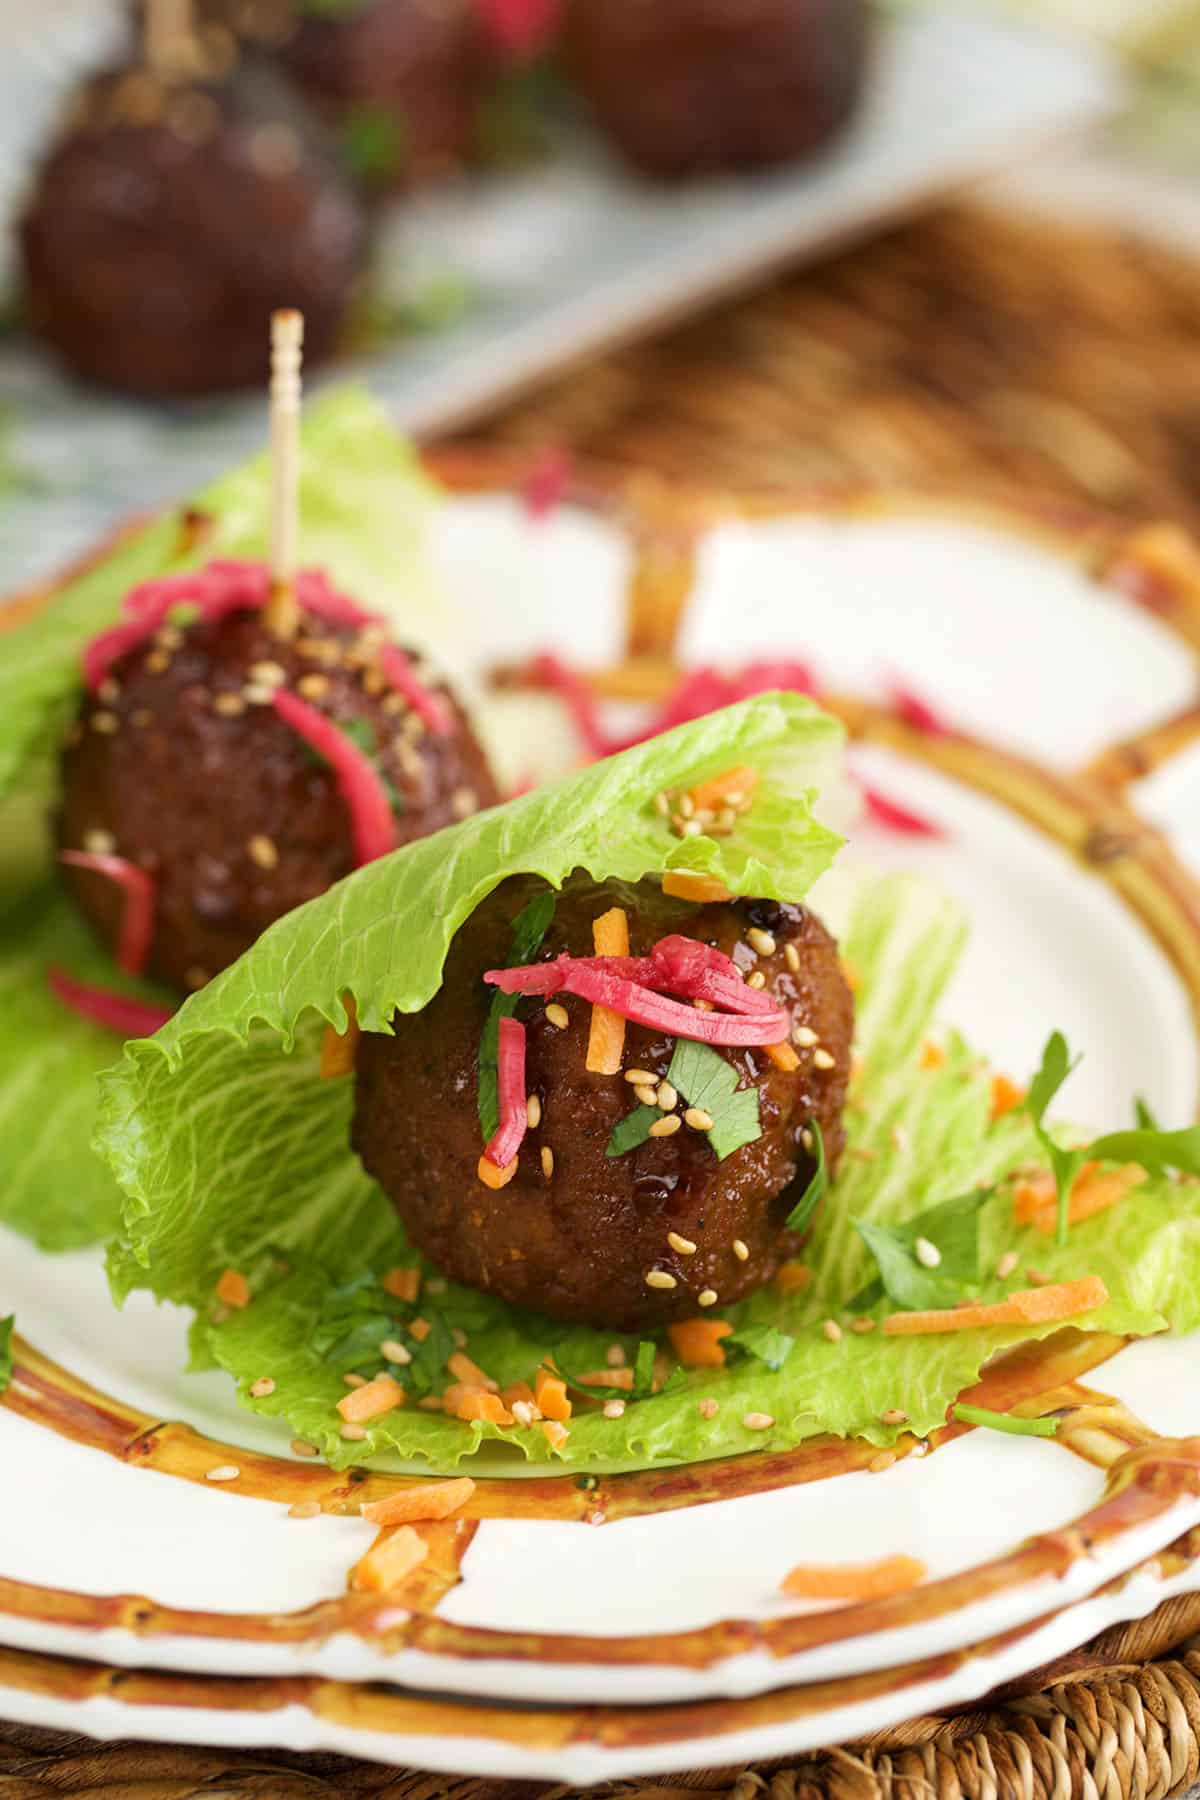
(575, 1232)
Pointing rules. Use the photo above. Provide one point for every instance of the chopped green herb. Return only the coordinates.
(529, 928)
(1143, 1118)
(6, 1359)
(373, 144)
(810, 1199)
(705, 1079)
(643, 1368)
(997, 1421)
(1056, 1066)
(632, 1130)
(766, 1343)
(952, 1228)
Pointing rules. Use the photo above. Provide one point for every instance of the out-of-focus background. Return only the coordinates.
(759, 242)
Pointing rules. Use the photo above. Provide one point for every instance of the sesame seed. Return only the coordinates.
(261, 850)
(351, 1380)
(436, 1284)
(698, 1119)
(614, 1356)
(667, 1126)
(707, 1408)
(613, 1409)
(760, 940)
(687, 807)
(304, 1509)
(740, 1250)
(666, 1099)
(927, 1254)
(260, 1389)
(374, 680)
(660, 1278)
(703, 1005)
(274, 149)
(662, 806)
(1007, 1265)
(169, 636)
(353, 1434)
(313, 686)
(547, 1161)
(223, 1472)
(463, 802)
(756, 980)
(269, 674)
(99, 843)
(109, 689)
(687, 828)
(256, 694)
(805, 1036)
(522, 1412)
(823, 1060)
(1037, 1278)
(229, 705)
(459, 1336)
(791, 957)
(640, 1078)
(301, 1447)
(862, 1326)
(807, 1138)
(648, 1096)
(533, 1112)
(893, 1416)
(393, 1352)
(884, 1460)
(413, 728)
(558, 1016)
(707, 1297)
(684, 1245)
(832, 1331)
(899, 1137)
(157, 662)
(106, 723)
(196, 977)
(756, 1421)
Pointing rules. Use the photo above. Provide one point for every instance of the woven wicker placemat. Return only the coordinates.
(974, 353)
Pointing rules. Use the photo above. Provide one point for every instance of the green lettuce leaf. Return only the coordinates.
(6, 1359)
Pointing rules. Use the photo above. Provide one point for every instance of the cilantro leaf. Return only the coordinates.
(1056, 1066)
(1157, 1151)
(1143, 1118)
(704, 1078)
(632, 1130)
(810, 1199)
(643, 1368)
(998, 1421)
(766, 1343)
(952, 1227)
(529, 928)
(6, 1358)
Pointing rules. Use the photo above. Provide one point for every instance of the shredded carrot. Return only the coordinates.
(233, 1289)
(854, 1581)
(1095, 1189)
(1033, 1195)
(716, 792)
(458, 1390)
(489, 1407)
(493, 1177)
(518, 1390)
(404, 1284)
(705, 890)
(339, 1048)
(556, 1434)
(428, 1500)
(1028, 1306)
(606, 1040)
(618, 1378)
(420, 1329)
(790, 1277)
(932, 1055)
(783, 1056)
(460, 1365)
(371, 1401)
(1006, 1096)
(697, 1342)
(392, 1556)
(550, 1392)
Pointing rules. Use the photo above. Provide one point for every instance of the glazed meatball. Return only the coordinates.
(180, 765)
(684, 86)
(575, 1234)
(169, 221)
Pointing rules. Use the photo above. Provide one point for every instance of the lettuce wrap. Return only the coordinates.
(365, 511)
(233, 1154)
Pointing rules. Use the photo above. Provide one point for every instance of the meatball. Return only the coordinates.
(694, 85)
(169, 221)
(180, 765)
(405, 79)
(574, 1234)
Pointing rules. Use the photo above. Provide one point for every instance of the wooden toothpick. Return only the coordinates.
(168, 37)
(287, 338)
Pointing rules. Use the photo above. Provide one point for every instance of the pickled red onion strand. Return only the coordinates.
(702, 691)
(315, 595)
(141, 898)
(897, 818)
(428, 706)
(785, 674)
(549, 671)
(549, 977)
(672, 972)
(915, 711)
(129, 1018)
(358, 781)
(506, 1140)
(107, 647)
(521, 28)
(643, 1007)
